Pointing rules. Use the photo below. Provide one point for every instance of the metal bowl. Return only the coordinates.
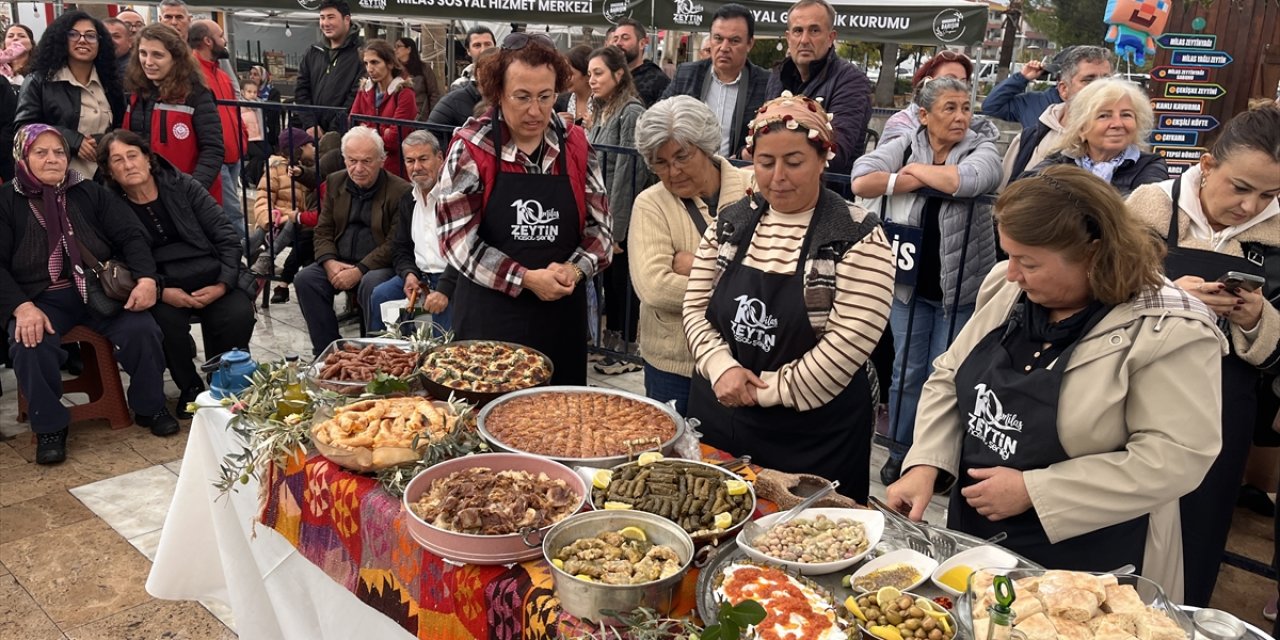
(701, 537)
(481, 549)
(589, 600)
(480, 398)
(603, 462)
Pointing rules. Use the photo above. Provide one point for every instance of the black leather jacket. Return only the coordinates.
(57, 103)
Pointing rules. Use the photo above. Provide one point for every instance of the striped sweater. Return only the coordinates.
(848, 299)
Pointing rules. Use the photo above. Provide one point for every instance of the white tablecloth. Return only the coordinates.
(210, 550)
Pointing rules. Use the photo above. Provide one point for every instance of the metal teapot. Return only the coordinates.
(229, 373)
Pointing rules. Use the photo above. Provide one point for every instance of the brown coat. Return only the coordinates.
(384, 211)
(277, 190)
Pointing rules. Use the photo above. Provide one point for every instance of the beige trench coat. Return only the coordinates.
(1139, 413)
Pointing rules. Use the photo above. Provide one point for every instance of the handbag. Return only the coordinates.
(100, 304)
(113, 276)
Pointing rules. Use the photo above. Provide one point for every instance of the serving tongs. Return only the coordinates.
(733, 464)
(919, 538)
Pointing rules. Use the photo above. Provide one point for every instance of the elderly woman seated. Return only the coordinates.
(53, 225)
(197, 254)
(679, 138)
(1106, 129)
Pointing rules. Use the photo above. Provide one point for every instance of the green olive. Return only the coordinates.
(905, 602)
(912, 624)
(894, 617)
(921, 634)
(936, 634)
(929, 623)
(915, 612)
(882, 621)
(873, 612)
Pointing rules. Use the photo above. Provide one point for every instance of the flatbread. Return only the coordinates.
(1123, 598)
(1037, 627)
(1073, 604)
(1071, 630)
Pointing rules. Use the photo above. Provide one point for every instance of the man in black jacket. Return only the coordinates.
(330, 72)
(457, 106)
(813, 68)
(631, 37)
(727, 82)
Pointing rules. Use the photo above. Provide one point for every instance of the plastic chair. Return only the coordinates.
(100, 380)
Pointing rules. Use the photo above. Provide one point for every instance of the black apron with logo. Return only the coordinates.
(763, 318)
(1010, 419)
(1206, 512)
(534, 219)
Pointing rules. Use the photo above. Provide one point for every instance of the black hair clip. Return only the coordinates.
(1090, 224)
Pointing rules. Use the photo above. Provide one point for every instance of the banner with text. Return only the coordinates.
(927, 22)
(567, 12)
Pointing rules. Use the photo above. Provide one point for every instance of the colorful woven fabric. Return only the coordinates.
(351, 528)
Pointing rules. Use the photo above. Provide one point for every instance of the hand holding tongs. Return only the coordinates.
(904, 524)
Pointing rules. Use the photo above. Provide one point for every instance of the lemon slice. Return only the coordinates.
(601, 479)
(724, 520)
(735, 487)
(583, 576)
(649, 457)
(634, 533)
(558, 563)
(928, 606)
(614, 505)
(888, 632)
(851, 603)
(886, 595)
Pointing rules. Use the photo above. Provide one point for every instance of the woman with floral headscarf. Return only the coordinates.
(788, 295)
(51, 221)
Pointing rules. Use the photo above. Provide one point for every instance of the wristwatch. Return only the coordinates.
(581, 275)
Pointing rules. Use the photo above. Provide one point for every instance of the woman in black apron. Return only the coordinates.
(1213, 227)
(1069, 409)
(522, 212)
(796, 397)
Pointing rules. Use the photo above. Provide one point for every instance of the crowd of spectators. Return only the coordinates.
(526, 135)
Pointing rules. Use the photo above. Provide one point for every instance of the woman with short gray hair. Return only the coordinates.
(679, 138)
(932, 300)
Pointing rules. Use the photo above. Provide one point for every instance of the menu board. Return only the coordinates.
(1181, 89)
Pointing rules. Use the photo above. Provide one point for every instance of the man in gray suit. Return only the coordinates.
(727, 82)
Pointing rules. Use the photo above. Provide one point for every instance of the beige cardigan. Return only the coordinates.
(660, 227)
(1141, 403)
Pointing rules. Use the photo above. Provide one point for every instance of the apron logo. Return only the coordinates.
(752, 322)
(181, 131)
(533, 224)
(989, 423)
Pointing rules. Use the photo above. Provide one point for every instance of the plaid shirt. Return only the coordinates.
(460, 205)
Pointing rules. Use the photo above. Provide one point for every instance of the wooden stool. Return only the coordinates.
(100, 380)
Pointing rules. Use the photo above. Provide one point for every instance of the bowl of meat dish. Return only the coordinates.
(480, 371)
(1076, 605)
(707, 501)
(490, 508)
(818, 541)
(347, 365)
(616, 561)
(580, 425)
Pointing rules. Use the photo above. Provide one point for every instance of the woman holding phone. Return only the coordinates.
(1221, 222)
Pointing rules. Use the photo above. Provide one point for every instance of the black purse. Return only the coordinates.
(107, 285)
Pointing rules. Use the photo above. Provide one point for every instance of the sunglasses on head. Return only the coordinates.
(519, 40)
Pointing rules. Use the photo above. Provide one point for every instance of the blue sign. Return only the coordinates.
(1215, 59)
(906, 242)
(1184, 155)
(1163, 137)
(1193, 123)
(1180, 74)
(1187, 41)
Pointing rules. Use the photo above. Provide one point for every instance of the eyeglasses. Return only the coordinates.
(523, 100)
(679, 161)
(519, 40)
(134, 27)
(87, 36)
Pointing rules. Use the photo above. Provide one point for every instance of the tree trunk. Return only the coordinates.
(888, 75)
(1012, 20)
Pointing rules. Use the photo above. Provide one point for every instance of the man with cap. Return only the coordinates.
(286, 204)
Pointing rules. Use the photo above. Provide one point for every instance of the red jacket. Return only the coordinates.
(398, 103)
(184, 134)
(233, 134)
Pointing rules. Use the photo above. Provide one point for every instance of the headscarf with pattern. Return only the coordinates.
(49, 203)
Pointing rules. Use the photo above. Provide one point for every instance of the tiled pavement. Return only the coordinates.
(76, 540)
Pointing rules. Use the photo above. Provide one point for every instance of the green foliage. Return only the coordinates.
(1069, 22)
(765, 52)
(732, 620)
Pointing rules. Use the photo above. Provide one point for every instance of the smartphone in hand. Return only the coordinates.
(1234, 281)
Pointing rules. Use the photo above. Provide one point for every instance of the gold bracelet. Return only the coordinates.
(581, 274)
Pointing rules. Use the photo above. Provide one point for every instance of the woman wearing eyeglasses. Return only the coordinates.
(617, 106)
(523, 212)
(73, 86)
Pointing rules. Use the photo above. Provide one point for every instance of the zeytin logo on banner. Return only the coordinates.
(948, 25)
(310, 5)
(687, 13)
(380, 5)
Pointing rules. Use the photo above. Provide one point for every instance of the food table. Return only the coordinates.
(319, 552)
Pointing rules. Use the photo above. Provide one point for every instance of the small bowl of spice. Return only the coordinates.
(902, 569)
(818, 541)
